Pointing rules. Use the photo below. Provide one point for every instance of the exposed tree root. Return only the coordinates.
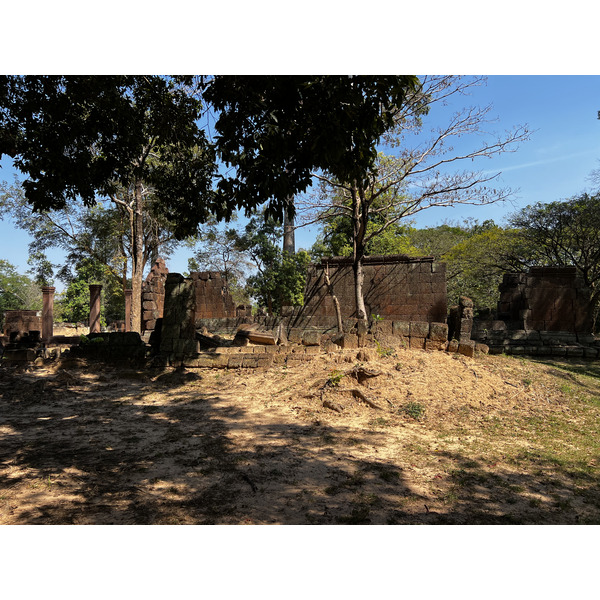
(360, 395)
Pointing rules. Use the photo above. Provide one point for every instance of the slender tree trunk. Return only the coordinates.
(358, 250)
(137, 259)
(336, 302)
(359, 278)
(289, 237)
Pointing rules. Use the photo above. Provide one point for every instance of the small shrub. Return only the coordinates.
(384, 352)
(334, 378)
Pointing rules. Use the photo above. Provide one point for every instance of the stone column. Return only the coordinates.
(95, 291)
(47, 313)
(178, 336)
(128, 294)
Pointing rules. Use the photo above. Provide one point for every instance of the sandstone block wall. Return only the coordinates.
(546, 299)
(545, 312)
(396, 287)
(178, 331)
(213, 300)
(21, 322)
(153, 295)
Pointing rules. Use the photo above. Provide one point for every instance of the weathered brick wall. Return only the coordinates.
(22, 321)
(545, 312)
(213, 300)
(546, 299)
(396, 287)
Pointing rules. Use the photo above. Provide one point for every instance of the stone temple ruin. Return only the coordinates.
(545, 312)
(193, 321)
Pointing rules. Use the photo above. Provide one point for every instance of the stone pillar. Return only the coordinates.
(95, 291)
(178, 334)
(128, 294)
(47, 313)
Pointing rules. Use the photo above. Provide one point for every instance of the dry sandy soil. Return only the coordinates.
(452, 440)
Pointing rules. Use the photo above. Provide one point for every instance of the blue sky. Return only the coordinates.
(555, 163)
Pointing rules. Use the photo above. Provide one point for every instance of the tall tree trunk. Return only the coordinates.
(289, 237)
(359, 278)
(336, 302)
(358, 249)
(137, 259)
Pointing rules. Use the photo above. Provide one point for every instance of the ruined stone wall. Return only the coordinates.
(213, 300)
(153, 295)
(21, 322)
(178, 330)
(396, 287)
(545, 312)
(546, 299)
(188, 302)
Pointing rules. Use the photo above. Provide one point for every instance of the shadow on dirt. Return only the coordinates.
(113, 452)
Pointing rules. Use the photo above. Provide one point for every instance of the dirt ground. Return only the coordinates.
(428, 438)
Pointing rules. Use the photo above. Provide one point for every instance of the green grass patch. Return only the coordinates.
(414, 410)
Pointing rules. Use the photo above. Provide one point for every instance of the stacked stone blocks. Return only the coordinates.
(545, 312)
(20, 322)
(213, 300)
(396, 287)
(178, 331)
(546, 299)
(153, 295)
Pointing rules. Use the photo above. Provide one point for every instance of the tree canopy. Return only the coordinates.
(564, 233)
(79, 137)
(17, 291)
(275, 131)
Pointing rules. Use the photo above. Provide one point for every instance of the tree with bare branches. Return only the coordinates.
(419, 170)
(101, 235)
(83, 138)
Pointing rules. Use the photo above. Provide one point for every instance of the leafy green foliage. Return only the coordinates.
(280, 276)
(384, 351)
(415, 410)
(275, 131)
(336, 238)
(73, 305)
(77, 137)
(335, 377)
(476, 264)
(564, 233)
(17, 292)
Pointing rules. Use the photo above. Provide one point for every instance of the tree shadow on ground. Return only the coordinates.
(122, 455)
(91, 457)
(546, 493)
(570, 367)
